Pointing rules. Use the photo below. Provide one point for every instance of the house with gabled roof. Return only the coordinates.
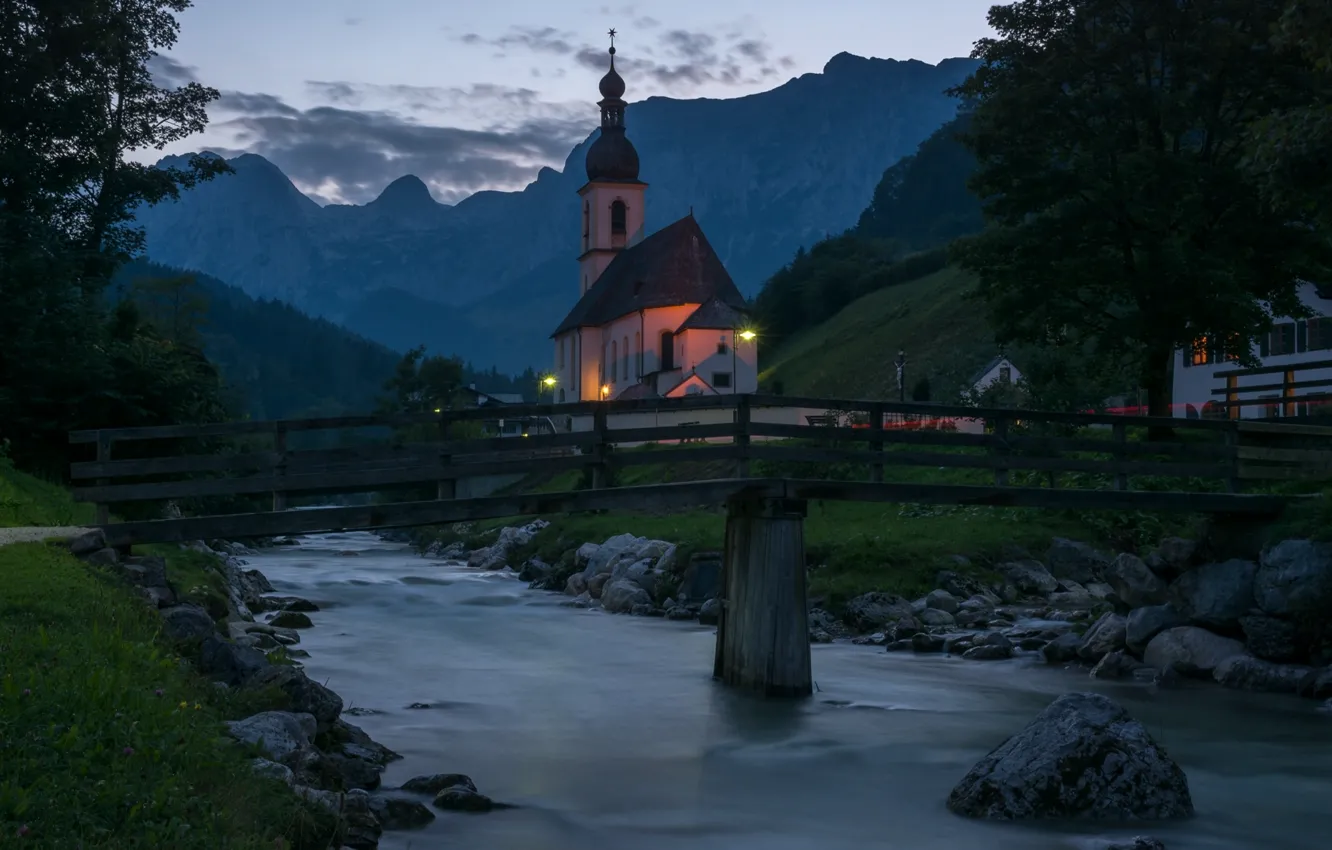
(657, 315)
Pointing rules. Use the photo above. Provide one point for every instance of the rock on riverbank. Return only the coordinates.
(1152, 619)
(324, 759)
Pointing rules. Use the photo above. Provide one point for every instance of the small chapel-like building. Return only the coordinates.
(656, 316)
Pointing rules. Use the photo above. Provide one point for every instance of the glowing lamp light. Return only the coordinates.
(605, 390)
(549, 380)
(437, 410)
(747, 335)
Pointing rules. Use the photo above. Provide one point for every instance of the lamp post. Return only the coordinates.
(736, 335)
(901, 375)
(549, 383)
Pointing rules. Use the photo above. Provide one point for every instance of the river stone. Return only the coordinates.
(1295, 575)
(619, 596)
(603, 559)
(273, 770)
(1134, 583)
(941, 600)
(362, 828)
(1029, 577)
(870, 612)
(990, 651)
(1105, 636)
(925, 642)
(87, 542)
(1215, 596)
(1190, 651)
(1082, 757)
(1062, 649)
(576, 586)
(461, 799)
(1146, 623)
(291, 620)
(224, 661)
(1137, 842)
(597, 584)
(187, 623)
(1246, 673)
(400, 812)
(702, 577)
(1073, 560)
(936, 617)
(436, 782)
(1115, 665)
(303, 693)
(1172, 556)
(278, 733)
(1270, 638)
(1317, 684)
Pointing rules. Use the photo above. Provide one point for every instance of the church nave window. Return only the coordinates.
(619, 218)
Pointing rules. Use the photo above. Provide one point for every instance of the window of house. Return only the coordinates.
(1280, 341)
(562, 341)
(667, 351)
(625, 363)
(638, 354)
(1005, 375)
(1319, 333)
(721, 380)
(561, 396)
(721, 346)
(1200, 354)
(619, 216)
(613, 360)
(587, 227)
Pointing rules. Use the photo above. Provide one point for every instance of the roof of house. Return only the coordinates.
(713, 314)
(674, 266)
(639, 390)
(499, 398)
(988, 366)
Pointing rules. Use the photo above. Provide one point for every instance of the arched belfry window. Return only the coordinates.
(618, 218)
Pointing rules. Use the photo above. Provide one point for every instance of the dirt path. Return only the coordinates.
(38, 533)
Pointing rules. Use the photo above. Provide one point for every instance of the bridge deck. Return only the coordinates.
(902, 452)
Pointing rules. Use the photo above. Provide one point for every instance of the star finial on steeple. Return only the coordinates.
(612, 38)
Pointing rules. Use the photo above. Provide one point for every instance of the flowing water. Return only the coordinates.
(610, 735)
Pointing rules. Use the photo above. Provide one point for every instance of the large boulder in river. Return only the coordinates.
(1294, 575)
(1082, 757)
(872, 611)
(1069, 559)
(1215, 596)
(1270, 638)
(1105, 636)
(1190, 651)
(1246, 673)
(1134, 582)
(1146, 623)
(1030, 577)
(620, 595)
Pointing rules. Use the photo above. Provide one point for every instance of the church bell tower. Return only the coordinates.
(612, 199)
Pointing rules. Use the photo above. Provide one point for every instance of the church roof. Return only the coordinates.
(674, 266)
(713, 314)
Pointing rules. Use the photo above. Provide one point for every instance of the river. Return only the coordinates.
(610, 735)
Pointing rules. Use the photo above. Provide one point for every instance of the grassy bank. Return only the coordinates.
(107, 738)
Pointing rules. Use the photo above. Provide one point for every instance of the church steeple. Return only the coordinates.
(612, 156)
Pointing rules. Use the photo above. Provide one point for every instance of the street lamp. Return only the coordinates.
(549, 383)
(745, 335)
(901, 375)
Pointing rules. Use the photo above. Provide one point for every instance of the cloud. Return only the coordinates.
(677, 60)
(341, 153)
(167, 73)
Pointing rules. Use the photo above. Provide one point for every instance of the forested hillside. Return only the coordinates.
(275, 361)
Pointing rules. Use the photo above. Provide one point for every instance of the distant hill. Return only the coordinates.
(487, 277)
(281, 363)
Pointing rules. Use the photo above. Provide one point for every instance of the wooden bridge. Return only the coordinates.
(763, 457)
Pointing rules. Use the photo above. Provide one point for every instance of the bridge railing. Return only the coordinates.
(1280, 392)
(748, 436)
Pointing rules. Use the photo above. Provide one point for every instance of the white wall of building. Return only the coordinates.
(1193, 383)
(1004, 370)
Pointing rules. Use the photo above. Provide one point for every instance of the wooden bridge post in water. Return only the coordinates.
(763, 633)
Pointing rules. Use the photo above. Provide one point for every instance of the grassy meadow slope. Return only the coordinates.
(852, 354)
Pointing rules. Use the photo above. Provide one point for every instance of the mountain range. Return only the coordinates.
(488, 277)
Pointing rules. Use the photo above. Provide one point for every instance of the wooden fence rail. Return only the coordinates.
(1209, 455)
(1282, 397)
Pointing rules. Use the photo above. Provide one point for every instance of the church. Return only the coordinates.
(656, 316)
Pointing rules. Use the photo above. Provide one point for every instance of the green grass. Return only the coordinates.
(25, 501)
(851, 355)
(106, 739)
